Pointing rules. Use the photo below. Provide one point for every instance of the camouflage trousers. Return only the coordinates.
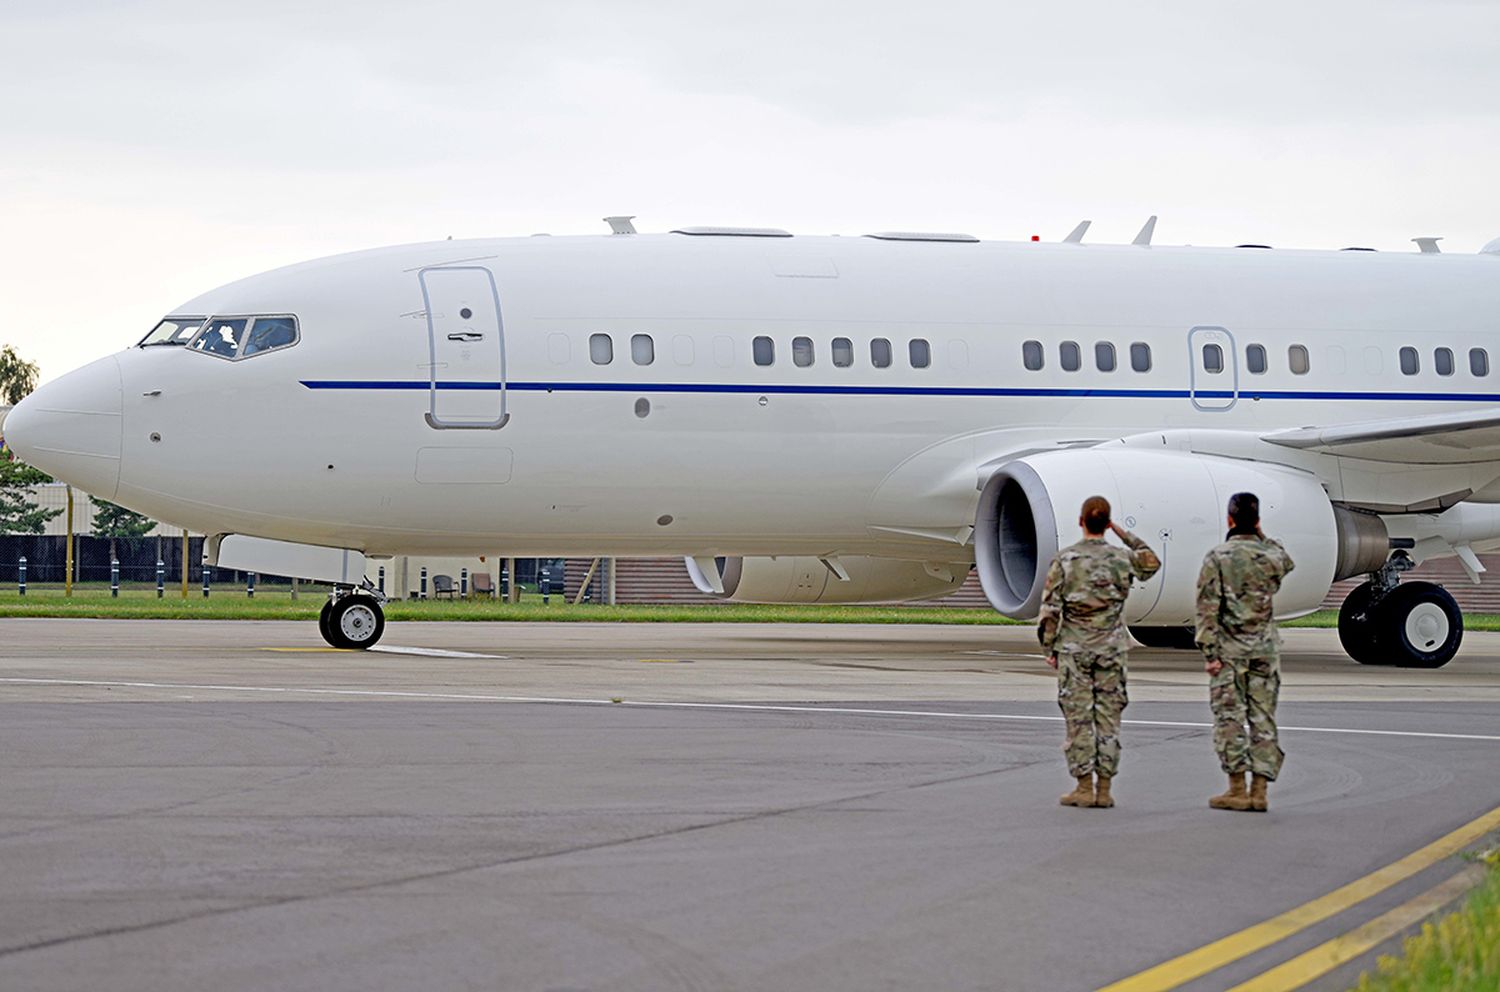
(1091, 695)
(1243, 697)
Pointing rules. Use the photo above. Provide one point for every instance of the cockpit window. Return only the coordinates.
(243, 337)
(172, 330)
(268, 334)
(221, 336)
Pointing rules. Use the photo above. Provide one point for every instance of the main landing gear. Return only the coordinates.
(1176, 638)
(352, 618)
(1410, 625)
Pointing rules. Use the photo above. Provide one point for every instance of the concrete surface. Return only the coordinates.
(227, 805)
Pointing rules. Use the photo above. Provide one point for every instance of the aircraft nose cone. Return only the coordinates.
(71, 427)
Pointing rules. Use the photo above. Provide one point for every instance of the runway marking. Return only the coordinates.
(391, 649)
(1345, 948)
(435, 652)
(1211, 957)
(674, 704)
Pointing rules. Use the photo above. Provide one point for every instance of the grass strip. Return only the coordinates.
(1458, 953)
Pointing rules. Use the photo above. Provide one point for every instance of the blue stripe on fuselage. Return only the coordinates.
(826, 390)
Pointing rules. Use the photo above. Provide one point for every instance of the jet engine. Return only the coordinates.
(1176, 503)
(806, 579)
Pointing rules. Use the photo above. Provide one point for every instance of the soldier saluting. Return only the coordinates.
(1083, 635)
(1239, 641)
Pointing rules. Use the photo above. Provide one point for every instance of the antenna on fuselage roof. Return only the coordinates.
(1075, 237)
(1428, 246)
(621, 225)
(1148, 229)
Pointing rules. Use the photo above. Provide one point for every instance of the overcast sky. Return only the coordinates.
(152, 150)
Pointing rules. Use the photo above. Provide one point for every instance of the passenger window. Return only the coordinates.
(1070, 356)
(723, 351)
(1032, 355)
(682, 349)
(1213, 359)
(1140, 356)
(601, 349)
(763, 349)
(843, 352)
(268, 334)
(173, 330)
(642, 349)
(1255, 359)
(1479, 362)
(1410, 364)
(1442, 361)
(880, 353)
(802, 352)
(958, 354)
(1104, 356)
(221, 337)
(1296, 357)
(920, 353)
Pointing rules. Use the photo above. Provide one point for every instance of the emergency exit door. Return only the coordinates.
(1213, 369)
(466, 344)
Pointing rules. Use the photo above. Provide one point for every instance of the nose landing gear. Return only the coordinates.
(1410, 625)
(352, 618)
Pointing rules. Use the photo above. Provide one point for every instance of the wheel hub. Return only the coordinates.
(1426, 626)
(357, 623)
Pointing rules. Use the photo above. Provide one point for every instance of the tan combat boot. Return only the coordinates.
(1258, 785)
(1081, 796)
(1236, 798)
(1102, 798)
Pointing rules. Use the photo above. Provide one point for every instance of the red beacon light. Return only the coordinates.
(1036, 237)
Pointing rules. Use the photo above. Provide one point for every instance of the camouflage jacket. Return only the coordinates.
(1235, 587)
(1085, 594)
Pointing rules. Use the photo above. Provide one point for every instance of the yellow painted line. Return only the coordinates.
(306, 650)
(660, 661)
(1341, 950)
(1210, 957)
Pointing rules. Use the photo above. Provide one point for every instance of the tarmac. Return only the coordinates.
(561, 807)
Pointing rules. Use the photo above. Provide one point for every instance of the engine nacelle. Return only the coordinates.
(804, 579)
(1176, 503)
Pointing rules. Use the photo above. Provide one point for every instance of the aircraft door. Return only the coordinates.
(1213, 369)
(467, 348)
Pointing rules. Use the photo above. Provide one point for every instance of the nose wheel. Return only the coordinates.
(352, 621)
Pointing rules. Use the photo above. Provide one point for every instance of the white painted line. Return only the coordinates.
(435, 652)
(660, 704)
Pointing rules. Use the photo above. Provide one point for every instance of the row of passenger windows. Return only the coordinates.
(1070, 357)
(1442, 361)
(763, 351)
(1257, 362)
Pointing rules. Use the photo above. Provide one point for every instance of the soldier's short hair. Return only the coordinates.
(1244, 510)
(1095, 514)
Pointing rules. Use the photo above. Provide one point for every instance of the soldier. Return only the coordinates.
(1241, 646)
(1084, 637)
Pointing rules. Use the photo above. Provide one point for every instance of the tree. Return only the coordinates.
(18, 514)
(17, 376)
(115, 522)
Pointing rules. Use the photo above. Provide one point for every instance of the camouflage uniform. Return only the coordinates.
(1235, 587)
(1080, 623)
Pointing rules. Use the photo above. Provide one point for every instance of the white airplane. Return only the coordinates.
(818, 419)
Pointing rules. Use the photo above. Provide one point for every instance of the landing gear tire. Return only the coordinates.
(323, 622)
(1177, 638)
(353, 623)
(1358, 627)
(1418, 625)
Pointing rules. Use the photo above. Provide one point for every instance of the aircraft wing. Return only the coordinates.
(1445, 438)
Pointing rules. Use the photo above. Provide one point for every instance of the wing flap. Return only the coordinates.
(1445, 438)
